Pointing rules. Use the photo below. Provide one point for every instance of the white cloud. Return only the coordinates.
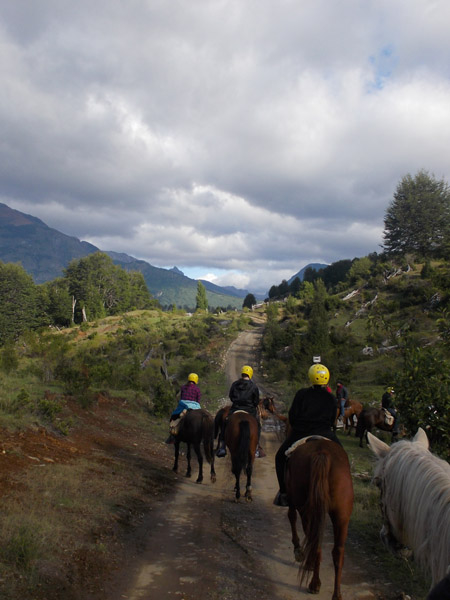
(241, 138)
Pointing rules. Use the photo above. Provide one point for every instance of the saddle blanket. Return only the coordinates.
(295, 445)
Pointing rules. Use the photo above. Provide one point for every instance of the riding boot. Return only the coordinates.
(221, 451)
(170, 440)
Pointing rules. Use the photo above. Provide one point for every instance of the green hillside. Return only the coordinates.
(386, 324)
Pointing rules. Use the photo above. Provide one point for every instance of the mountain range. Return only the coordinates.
(45, 252)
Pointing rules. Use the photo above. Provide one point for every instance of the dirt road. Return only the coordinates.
(201, 545)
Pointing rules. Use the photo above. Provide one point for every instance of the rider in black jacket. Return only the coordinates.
(244, 395)
(313, 412)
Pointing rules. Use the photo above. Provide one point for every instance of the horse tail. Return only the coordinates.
(207, 436)
(244, 443)
(316, 510)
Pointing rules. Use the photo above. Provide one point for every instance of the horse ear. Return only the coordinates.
(422, 438)
(379, 448)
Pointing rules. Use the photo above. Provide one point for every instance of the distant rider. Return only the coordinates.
(387, 402)
(190, 396)
(342, 397)
(244, 395)
(313, 412)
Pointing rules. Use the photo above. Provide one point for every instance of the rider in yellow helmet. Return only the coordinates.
(244, 395)
(387, 402)
(313, 412)
(190, 396)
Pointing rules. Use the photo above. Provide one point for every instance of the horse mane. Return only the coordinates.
(416, 486)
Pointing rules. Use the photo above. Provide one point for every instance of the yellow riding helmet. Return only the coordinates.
(390, 390)
(246, 370)
(193, 377)
(318, 374)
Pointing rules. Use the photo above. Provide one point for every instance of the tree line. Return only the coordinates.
(91, 288)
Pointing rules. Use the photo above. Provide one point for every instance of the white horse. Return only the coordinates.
(415, 501)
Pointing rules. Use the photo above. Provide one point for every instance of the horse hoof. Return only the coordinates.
(299, 554)
(199, 480)
(249, 499)
(313, 591)
(213, 479)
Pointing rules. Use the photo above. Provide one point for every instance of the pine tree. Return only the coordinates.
(417, 220)
(249, 301)
(201, 299)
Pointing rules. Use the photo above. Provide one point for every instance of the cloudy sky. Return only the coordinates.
(236, 139)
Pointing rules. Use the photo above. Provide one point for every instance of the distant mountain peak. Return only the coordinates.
(176, 270)
(15, 218)
(301, 273)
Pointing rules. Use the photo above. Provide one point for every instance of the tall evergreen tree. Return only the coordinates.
(417, 220)
(18, 302)
(201, 299)
(318, 337)
(249, 301)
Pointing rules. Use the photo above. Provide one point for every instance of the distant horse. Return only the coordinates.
(368, 419)
(197, 426)
(241, 437)
(352, 410)
(415, 501)
(319, 482)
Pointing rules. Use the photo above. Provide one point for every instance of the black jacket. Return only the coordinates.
(387, 400)
(313, 412)
(244, 395)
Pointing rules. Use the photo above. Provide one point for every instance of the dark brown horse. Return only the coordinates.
(369, 419)
(197, 427)
(241, 437)
(266, 407)
(319, 482)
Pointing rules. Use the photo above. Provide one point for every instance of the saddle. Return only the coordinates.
(175, 424)
(388, 418)
(300, 442)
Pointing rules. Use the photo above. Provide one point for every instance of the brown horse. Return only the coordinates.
(319, 482)
(368, 419)
(352, 410)
(241, 437)
(197, 426)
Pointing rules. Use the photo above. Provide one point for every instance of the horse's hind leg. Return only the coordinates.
(236, 470)
(177, 453)
(292, 516)
(340, 528)
(212, 471)
(188, 457)
(248, 486)
(198, 452)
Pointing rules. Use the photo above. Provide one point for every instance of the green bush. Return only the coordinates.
(423, 395)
